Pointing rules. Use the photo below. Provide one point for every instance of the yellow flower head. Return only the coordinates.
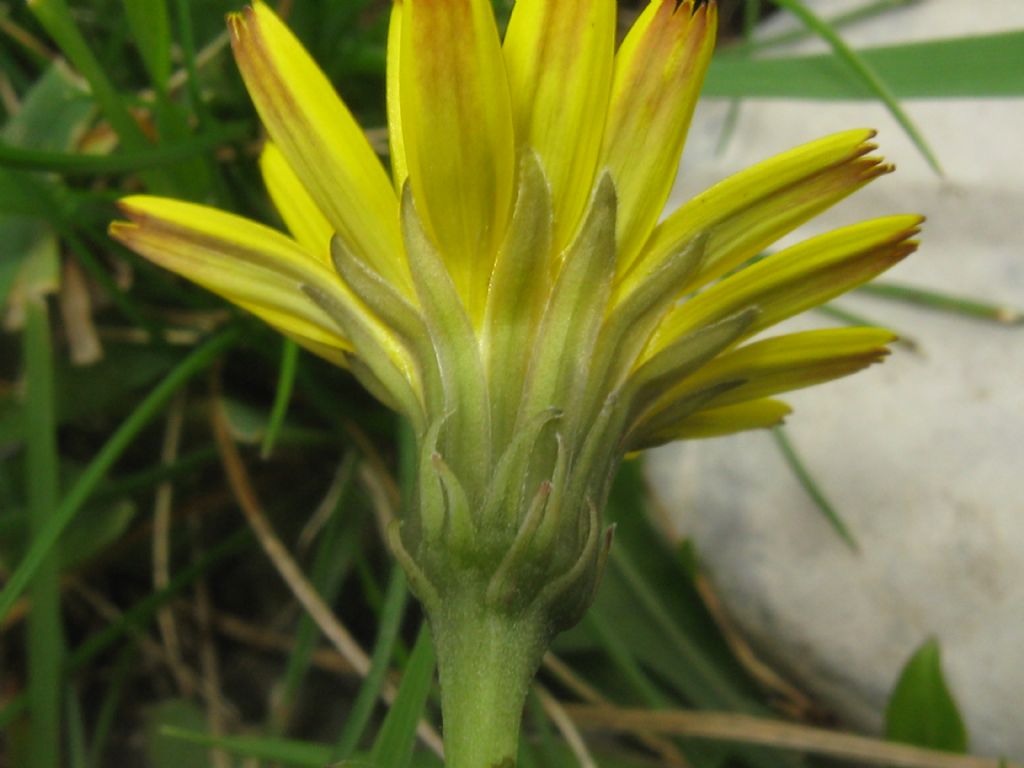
(509, 287)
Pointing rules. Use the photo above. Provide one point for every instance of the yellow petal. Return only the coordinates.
(251, 265)
(797, 278)
(789, 362)
(318, 137)
(559, 57)
(336, 355)
(658, 74)
(399, 167)
(300, 213)
(457, 131)
(747, 212)
(715, 422)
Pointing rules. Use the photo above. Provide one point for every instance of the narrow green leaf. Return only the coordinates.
(331, 564)
(705, 684)
(150, 27)
(285, 383)
(45, 634)
(811, 487)
(394, 743)
(978, 66)
(85, 537)
(622, 657)
(11, 264)
(857, 14)
(943, 302)
(921, 709)
(846, 317)
(124, 665)
(123, 161)
(165, 751)
(387, 634)
(55, 17)
(149, 478)
(276, 750)
(140, 614)
(78, 754)
(46, 538)
(864, 71)
(186, 39)
(137, 616)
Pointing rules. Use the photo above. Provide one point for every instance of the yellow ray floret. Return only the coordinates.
(784, 363)
(797, 278)
(716, 422)
(658, 74)
(318, 136)
(750, 210)
(245, 262)
(559, 58)
(261, 270)
(299, 211)
(396, 142)
(457, 134)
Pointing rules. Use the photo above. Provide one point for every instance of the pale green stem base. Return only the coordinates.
(486, 662)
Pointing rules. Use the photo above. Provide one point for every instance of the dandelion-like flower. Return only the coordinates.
(511, 291)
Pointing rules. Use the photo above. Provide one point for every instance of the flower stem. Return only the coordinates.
(486, 660)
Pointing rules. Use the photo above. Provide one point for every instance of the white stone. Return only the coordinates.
(922, 456)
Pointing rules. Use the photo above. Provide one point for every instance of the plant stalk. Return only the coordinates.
(486, 660)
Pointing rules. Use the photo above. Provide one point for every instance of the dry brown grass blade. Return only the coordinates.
(209, 660)
(670, 755)
(259, 637)
(746, 729)
(565, 726)
(76, 310)
(791, 700)
(161, 549)
(151, 648)
(284, 563)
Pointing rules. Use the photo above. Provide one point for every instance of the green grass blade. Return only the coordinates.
(621, 656)
(143, 612)
(394, 743)
(944, 302)
(77, 750)
(139, 615)
(811, 487)
(150, 26)
(56, 19)
(709, 687)
(331, 564)
(285, 384)
(147, 479)
(389, 624)
(977, 66)
(846, 317)
(123, 667)
(147, 410)
(188, 53)
(45, 644)
(287, 752)
(127, 161)
(854, 15)
(864, 71)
